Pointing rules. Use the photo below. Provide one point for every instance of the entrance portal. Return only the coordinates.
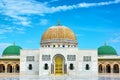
(59, 63)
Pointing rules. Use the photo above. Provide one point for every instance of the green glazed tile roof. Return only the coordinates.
(106, 50)
(12, 50)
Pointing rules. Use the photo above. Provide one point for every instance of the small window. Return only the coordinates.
(87, 67)
(71, 66)
(63, 45)
(30, 67)
(46, 66)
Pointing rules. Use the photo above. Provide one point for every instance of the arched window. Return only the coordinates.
(30, 66)
(87, 67)
(53, 45)
(100, 68)
(9, 68)
(71, 66)
(17, 68)
(108, 68)
(2, 68)
(116, 68)
(46, 66)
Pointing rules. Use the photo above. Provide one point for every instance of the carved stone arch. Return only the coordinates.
(59, 64)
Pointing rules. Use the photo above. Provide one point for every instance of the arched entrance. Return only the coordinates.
(59, 65)
(2, 68)
(116, 68)
(9, 68)
(17, 68)
(100, 68)
(108, 69)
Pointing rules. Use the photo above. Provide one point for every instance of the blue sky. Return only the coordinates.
(93, 21)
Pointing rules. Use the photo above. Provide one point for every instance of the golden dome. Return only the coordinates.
(58, 32)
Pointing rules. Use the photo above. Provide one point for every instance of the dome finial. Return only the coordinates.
(105, 44)
(58, 22)
(14, 43)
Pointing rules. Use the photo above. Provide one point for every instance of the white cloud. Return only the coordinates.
(21, 20)
(2, 31)
(115, 38)
(79, 35)
(94, 29)
(10, 29)
(43, 22)
(3, 46)
(51, 1)
(54, 0)
(19, 7)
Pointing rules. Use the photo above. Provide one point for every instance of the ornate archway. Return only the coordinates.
(59, 65)
(116, 68)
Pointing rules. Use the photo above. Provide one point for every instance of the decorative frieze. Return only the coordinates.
(71, 57)
(29, 58)
(86, 58)
(45, 57)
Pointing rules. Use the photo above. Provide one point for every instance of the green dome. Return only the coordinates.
(106, 50)
(12, 50)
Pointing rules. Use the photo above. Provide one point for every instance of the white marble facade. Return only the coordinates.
(82, 59)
